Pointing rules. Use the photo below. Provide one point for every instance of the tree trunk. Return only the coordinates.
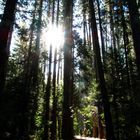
(84, 23)
(6, 25)
(135, 25)
(53, 115)
(47, 101)
(102, 85)
(101, 33)
(59, 121)
(67, 121)
(125, 42)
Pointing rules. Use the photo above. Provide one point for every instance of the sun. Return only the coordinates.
(54, 36)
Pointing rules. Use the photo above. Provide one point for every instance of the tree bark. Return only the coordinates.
(53, 115)
(125, 43)
(135, 25)
(67, 121)
(6, 25)
(101, 33)
(47, 100)
(102, 85)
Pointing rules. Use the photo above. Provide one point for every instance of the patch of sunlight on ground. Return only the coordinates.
(87, 138)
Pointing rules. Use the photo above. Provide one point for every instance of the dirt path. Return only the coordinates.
(86, 138)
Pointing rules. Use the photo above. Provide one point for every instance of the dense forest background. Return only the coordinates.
(88, 85)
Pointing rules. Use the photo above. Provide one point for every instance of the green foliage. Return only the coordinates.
(83, 113)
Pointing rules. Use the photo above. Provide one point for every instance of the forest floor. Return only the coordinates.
(86, 138)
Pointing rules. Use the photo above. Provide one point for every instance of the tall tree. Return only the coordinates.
(35, 69)
(101, 32)
(135, 25)
(67, 121)
(54, 91)
(6, 25)
(53, 115)
(47, 100)
(100, 74)
(47, 130)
